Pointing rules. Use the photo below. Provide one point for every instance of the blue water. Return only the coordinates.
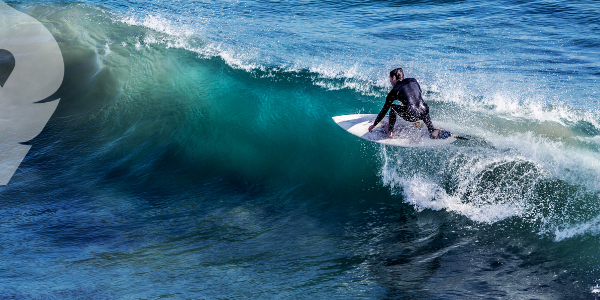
(193, 155)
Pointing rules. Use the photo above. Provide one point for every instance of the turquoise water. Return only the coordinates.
(193, 155)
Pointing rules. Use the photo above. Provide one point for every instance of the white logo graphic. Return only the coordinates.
(31, 70)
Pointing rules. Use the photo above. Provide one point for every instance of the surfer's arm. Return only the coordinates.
(386, 107)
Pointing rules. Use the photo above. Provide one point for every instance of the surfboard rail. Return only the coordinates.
(406, 134)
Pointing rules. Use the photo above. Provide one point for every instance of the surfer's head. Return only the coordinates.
(396, 75)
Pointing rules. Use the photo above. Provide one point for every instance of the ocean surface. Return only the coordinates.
(193, 154)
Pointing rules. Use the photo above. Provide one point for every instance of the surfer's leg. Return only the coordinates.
(394, 111)
(390, 125)
(427, 122)
(435, 133)
(392, 121)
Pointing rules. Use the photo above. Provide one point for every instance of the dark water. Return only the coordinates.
(193, 155)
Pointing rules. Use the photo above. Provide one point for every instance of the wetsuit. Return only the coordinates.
(408, 92)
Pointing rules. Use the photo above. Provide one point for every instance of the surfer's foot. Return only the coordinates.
(388, 132)
(435, 134)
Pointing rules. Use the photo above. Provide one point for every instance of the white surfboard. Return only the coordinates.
(406, 134)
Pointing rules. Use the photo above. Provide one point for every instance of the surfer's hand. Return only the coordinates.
(371, 128)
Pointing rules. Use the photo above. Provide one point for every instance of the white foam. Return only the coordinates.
(355, 77)
(159, 24)
(592, 140)
(591, 227)
(359, 86)
(559, 160)
(521, 161)
(175, 35)
(107, 50)
(532, 104)
(425, 193)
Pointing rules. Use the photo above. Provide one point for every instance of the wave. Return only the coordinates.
(151, 99)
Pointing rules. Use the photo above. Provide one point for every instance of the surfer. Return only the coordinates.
(413, 108)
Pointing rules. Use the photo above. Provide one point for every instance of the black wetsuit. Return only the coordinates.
(408, 92)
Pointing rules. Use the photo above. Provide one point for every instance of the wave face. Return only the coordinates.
(193, 153)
